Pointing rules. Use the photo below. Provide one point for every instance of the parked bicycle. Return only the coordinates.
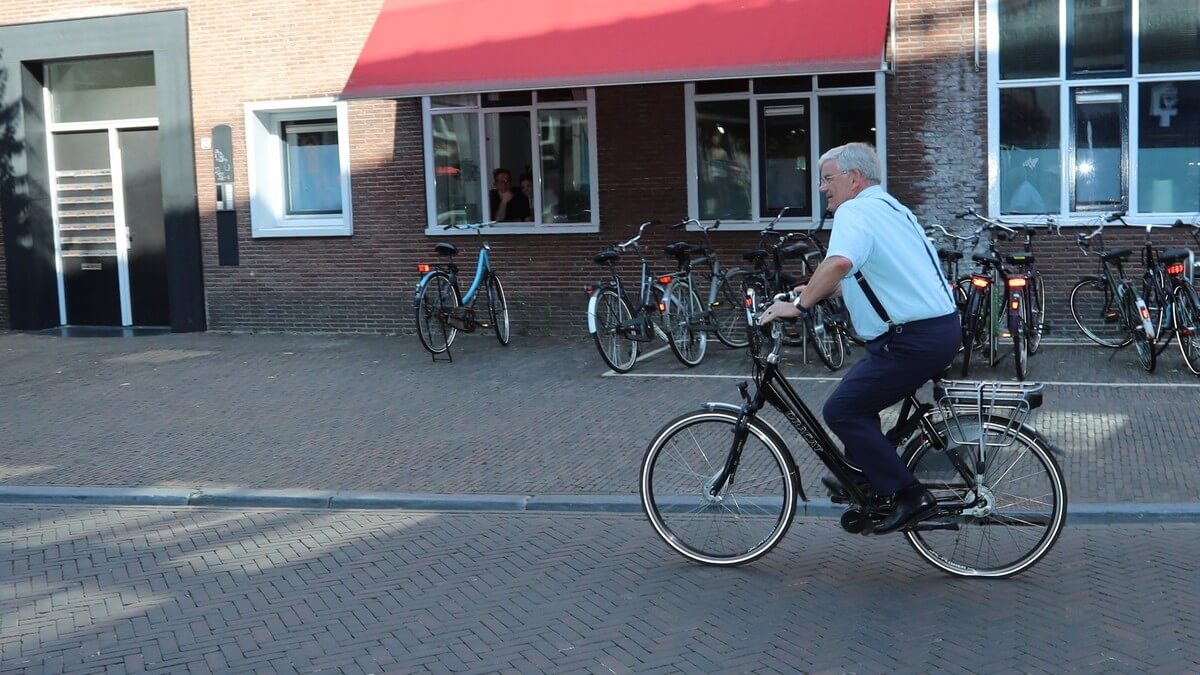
(1170, 297)
(690, 320)
(618, 325)
(1108, 307)
(951, 258)
(1007, 298)
(719, 485)
(442, 310)
(766, 275)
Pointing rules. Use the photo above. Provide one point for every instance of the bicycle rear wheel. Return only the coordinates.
(825, 337)
(728, 311)
(1142, 343)
(750, 514)
(1021, 352)
(498, 309)
(683, 314)
(1036, 302)
(1187, 323)
(1018, 516)
(435, 301)
(1094, 309)
(612, 316)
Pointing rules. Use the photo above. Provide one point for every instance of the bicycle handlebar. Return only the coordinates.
(633, 242)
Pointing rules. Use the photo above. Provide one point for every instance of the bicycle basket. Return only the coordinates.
(966, 404)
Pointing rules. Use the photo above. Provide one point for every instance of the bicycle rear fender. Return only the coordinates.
(424, 281)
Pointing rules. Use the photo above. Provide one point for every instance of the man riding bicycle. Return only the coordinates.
(899, 302)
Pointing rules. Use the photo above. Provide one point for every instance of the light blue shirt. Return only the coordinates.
(881, 238)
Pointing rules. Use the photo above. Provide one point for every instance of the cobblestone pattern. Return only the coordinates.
(200, 591)
(538, 417)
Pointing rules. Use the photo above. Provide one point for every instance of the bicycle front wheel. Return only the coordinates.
(1143, 344)
(1094, 309)
(1010, 517)
(684, 313)
(1035, 301)
(1021, 352)
(498, 309)
(729, 312)
(746, 518)
(435, 301)
(612, 318)
(1187, 322)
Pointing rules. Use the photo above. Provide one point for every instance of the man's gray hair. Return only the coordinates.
(858, 157)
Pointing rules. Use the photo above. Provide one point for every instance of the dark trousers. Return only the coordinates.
(896, 365)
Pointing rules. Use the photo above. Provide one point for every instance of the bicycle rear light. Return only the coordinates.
(662, 306)
(979, 281)
(1015, 304)
(1175, 269)
(1016, 282)
(748, 302)
(589, 289)
(1145, 312)
(424, 268)
(665, 279)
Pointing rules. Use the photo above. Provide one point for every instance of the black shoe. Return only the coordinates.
(839, 494)
(912, 505)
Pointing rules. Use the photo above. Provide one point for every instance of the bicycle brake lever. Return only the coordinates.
(744, 389)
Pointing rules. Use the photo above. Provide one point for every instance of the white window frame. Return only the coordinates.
(1066, 85)
(265, 172)
(537, 226)
(812, 98)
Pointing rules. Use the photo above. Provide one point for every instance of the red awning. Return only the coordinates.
(421, 47)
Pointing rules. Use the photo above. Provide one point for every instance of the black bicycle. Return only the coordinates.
(1170, 296)
(720, 486)
(691, 318)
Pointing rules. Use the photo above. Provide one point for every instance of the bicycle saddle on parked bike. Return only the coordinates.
(443, 248)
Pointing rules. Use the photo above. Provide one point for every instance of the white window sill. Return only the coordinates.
(582, 228)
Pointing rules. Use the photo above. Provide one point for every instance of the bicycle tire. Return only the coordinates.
(825, 337)
(498, 310)
(1143, 346)
(1091, 301)
(684, 311)
(750, 515)
(1186, 319)
(612, 316)
(435, 300)
(1020, 353)
(728, 311)
(1028, 523)
(972, 316)
(1036, 302)
(1154, 293)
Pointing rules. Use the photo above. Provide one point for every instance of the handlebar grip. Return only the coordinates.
(716, 224)
(1115, 217)
(1083, 240)
(656, 221)
(965, 214)
(1178, 223)
(680, 224)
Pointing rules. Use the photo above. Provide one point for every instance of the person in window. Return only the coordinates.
(507, 205)
(527, 191)
(898, 298)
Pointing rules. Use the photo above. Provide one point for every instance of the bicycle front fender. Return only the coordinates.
(767, 428)
(591, 309)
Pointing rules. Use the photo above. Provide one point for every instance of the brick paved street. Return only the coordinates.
(196, 590)
(374, 413)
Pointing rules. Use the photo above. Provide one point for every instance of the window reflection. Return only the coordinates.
(1099, 141)
(1029, 150)
(723, 136)
(456, 169)
(311, 167)
(566, 192)
(1169, 147)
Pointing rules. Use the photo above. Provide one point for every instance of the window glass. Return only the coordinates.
(845, 119)
(558, 95)
(723, 86)
(1169, 147)
(782, 85)
(1029, 150)
(1100, 37)
(1170, 35)
(846, 80)
(1098, 120)
(566, 193)
(507, 98)
(723, 137)
(785, 160)
(509, 147)
(454, 101)
(1028, 38)
(457, 169)
(119, 87)
(311, 168)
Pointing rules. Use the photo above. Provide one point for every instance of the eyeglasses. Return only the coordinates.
(826, 180)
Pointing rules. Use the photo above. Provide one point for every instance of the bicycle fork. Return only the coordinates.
(1142, 309)
(717, 483)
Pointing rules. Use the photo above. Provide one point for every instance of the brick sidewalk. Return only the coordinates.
(538, 417)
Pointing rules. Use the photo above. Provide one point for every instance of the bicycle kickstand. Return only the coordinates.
(449, 357)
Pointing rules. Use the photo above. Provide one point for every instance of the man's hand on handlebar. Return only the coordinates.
(784, 307)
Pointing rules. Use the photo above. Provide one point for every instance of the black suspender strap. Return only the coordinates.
(937, 270)
(873, 299)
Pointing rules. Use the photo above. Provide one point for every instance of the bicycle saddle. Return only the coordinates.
(1173, 255)
(445, 249)
(1020, 259)
(1116, 254)
(606, 257)
(989, 258)
(949, 254)
(794, 250)
(680, 249)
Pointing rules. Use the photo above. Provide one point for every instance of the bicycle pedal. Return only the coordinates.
(1111, 316)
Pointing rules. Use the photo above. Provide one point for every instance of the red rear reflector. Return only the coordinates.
(1016, 282)
(981, 282)
(1145, 313)
(423, 268)
(664, 279)
(1015, 305)
(1175, 269)
(662, 306)
(749, 301)
(589, 289)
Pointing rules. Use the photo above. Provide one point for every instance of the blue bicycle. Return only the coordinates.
(442, 309)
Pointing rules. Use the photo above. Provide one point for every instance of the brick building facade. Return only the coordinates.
(936, 98)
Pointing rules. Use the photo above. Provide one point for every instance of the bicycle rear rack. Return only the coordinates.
(967, 404)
